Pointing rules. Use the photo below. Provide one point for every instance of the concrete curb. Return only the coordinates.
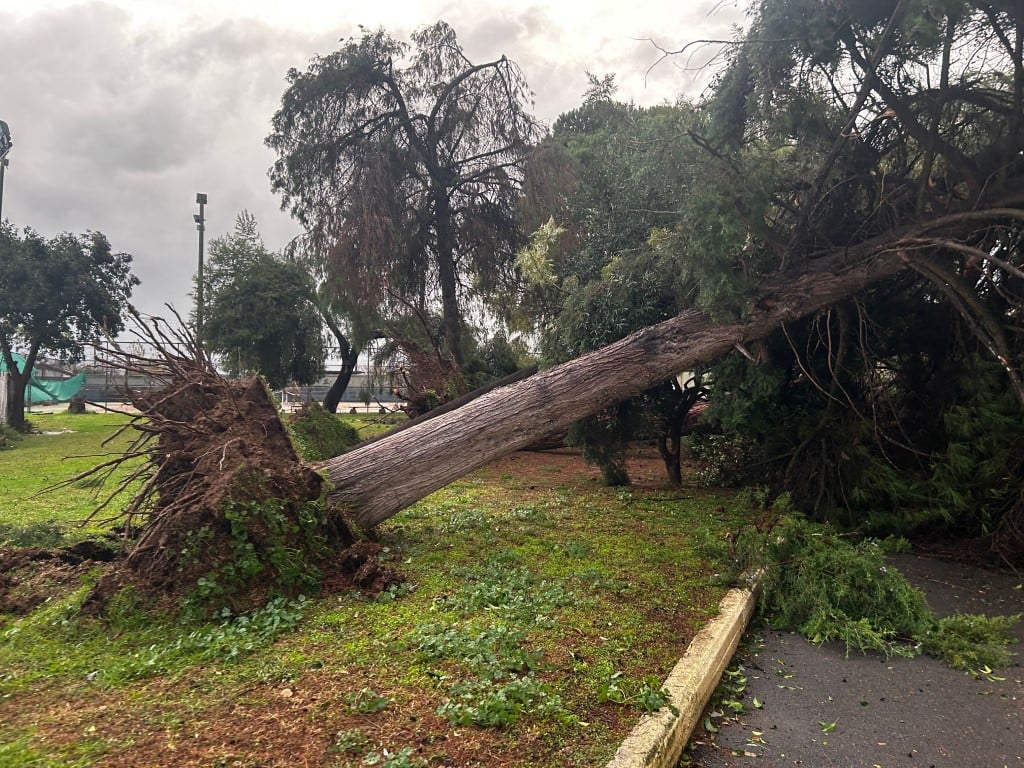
(658, 739)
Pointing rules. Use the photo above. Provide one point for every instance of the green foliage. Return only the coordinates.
(645, 694)
(267, 548)
(832, 588)
(984, 435)
(594, 270)
(319, 435)
(497, 650)
(726, 461)
(237, 636)
(499, 688)
(490, 704)
(403, 758)
(495, 358)
(511, 593)
(38, 534)
(820, 107)
(261, 313)
(55, 296)
(352, 741)
(971, 643)
(366, 701)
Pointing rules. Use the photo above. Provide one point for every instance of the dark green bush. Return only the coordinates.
(319, 435)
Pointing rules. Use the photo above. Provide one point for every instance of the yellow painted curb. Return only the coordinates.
(659, 738)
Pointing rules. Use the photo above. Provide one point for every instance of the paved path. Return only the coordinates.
(887, 713)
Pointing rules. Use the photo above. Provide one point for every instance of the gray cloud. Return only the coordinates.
(117, 123)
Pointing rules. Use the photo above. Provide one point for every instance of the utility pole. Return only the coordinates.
(200, 220)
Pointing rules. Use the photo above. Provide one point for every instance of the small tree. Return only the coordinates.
(593, 274)
(264, 320)
(262, 313)
(55, 296)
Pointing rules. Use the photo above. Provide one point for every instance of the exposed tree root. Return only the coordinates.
(226, 513)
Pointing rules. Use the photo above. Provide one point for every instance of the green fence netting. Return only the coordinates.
(40, 390)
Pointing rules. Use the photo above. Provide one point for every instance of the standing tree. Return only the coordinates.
(404, 164)
(236, 252)
(56, 295)
(597, 277)
(261, 311)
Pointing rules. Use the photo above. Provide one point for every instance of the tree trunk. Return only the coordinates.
(376, 481)
(451, 317)
(17, 381)
(349, 358)
(458, 402)
(670, 442)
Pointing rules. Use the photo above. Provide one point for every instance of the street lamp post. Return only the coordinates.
(200, 220)
(3, 165)
(5, 147)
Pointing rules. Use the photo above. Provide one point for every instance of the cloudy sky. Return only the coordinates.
(122, 110)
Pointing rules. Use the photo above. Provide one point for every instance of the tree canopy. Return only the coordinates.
(55, 296)
(403, 164)
(832, 125)
(834, 128)
(261, 313)
(592, 273)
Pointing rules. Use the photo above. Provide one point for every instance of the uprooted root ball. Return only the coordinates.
(230, 513)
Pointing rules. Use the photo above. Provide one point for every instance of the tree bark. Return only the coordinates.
(17, 381)
(458, 402)
(451, 317)
(16, 384)
(376, 481)
(349, 358)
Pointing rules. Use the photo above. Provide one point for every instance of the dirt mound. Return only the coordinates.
(219, 444)
(31, 575)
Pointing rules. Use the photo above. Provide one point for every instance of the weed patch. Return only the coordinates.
(493, 650)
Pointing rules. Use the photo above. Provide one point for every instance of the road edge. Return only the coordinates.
(658, 739)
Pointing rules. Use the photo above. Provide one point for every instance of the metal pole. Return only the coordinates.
(200, 220)
(5, 147)
(3, 164)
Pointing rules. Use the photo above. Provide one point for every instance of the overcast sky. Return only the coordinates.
(121, 111)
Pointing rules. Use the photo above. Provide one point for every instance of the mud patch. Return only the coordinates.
(30, 576)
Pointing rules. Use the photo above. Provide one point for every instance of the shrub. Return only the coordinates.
(319, 435)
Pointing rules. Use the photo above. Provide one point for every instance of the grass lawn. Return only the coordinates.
(539, 614)
(63, 446)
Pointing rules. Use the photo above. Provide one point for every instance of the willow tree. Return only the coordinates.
(403, 164)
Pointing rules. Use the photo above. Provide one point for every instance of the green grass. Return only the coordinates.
(61, 446)
(371, 424)
(532, 630)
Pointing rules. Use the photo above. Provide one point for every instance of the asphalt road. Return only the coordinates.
(820, 708)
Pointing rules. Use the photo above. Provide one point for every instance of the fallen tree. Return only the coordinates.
(376, 481)
(231, 514)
